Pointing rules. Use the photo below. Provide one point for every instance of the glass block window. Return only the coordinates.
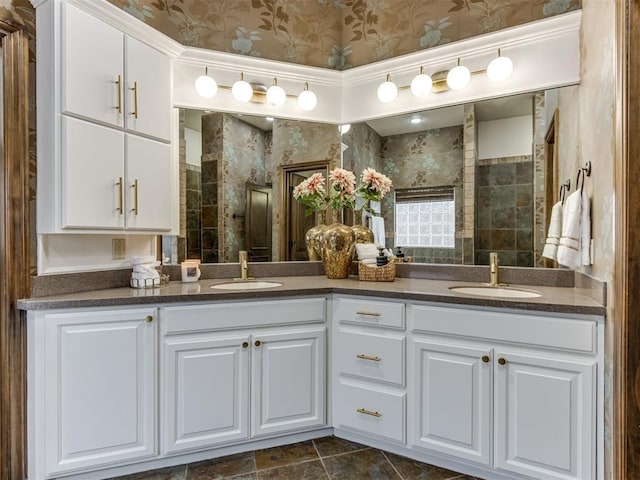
(425, 217)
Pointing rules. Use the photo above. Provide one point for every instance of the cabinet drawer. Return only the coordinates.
(553, 332)
(195, 318)
(375, 411)
(370, 355)
(367, 312)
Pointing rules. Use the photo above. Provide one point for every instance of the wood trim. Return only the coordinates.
(14, 252)
(285, 205)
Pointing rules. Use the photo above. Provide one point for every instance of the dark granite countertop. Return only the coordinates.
(553, 299)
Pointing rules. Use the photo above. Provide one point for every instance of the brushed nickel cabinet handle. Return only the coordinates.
(258, 343)
(368, 412)
(119, 87)
(135, 99)
(149, 319)
(245, 344)
(371, 314)
(135, 197)
(120, 208)
(362, 356)
(485, 358)
(502, 361)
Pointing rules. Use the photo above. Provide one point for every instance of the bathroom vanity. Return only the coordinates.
(124, 380)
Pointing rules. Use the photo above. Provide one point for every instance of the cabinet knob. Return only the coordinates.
(502, 361)
(258, 343)
(485, 358)
(245, 344)
(149, 319)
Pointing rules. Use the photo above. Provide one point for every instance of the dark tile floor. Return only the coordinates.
(323, 458)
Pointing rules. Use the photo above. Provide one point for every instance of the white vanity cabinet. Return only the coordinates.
(105, 117)
(92, 388)
(236, 371)
(510, 391)
(369, 395)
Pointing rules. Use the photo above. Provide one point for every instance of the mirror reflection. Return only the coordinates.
(467, 180)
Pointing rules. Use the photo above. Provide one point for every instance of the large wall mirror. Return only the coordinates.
(468, 179)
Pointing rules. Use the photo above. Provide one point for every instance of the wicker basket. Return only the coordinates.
(368, 273)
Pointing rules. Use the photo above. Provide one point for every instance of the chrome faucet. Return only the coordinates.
(244, 266)
(493, 266)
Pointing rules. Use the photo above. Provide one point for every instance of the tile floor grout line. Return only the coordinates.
(283, 466)
(321, 460)
(384, 454)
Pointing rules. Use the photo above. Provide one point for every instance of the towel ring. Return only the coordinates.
(583, 172)
(564, 188)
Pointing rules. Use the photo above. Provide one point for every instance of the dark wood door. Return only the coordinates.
(258, 232)
(300, 222)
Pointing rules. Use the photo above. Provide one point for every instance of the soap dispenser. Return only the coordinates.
(381, 259)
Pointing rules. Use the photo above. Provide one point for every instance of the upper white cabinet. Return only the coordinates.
(92, 70)
(104, 127)
(111, 78)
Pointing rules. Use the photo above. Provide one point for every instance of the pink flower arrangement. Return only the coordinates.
(343, 189)
(373, 185)
(311, 193)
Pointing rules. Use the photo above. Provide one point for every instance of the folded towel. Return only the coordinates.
(366, 251)
(576, 231)
(377, 227)
(368, 261)
(553, 235)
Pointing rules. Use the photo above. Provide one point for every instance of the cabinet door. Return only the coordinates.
(545, 416)
(100, 388)
(148, 184)
(92, 63)
(288, 378)
(148, 105)
(206, 391)
(451, 404)
(92, 175)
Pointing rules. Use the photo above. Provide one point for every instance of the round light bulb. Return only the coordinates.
(307, 100)
(458, 77)
(499, 69)
(276, 95)
(242, 91)
(387, 92)
(345, 128)
(421, 85)
(206, 86)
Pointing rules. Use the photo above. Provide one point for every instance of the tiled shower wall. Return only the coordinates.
(505, 205)
(193, 210)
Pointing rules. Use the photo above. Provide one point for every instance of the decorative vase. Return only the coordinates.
(338, 245)
(313, 238)
(362, 233)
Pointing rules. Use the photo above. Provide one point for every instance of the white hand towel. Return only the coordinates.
(377, 227)
(585, 229)
(366, 251)
(569, 248)
(553, 235)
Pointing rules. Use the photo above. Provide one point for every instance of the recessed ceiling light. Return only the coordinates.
(269, 119)
(416, 120)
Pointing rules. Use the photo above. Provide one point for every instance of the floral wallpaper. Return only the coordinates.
(336, 34)
(429, 158)
(298, 142)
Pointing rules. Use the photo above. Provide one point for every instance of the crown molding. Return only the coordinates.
(472, 51)
(134, 27)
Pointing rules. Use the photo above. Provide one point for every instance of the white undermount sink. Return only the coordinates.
(501, 292)
(245, 285)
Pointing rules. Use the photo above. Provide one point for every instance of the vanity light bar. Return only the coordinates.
(244, 91)
(499, 69)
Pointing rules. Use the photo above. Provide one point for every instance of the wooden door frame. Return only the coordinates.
(14, 251)
(285, 170)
